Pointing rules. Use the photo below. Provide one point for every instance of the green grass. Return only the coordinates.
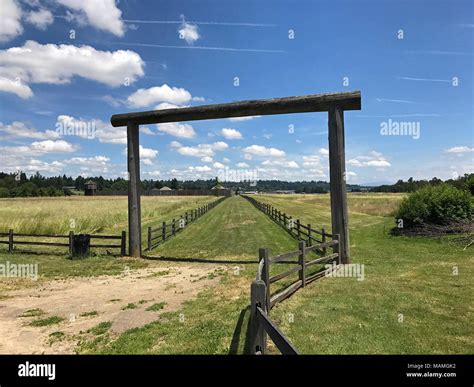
(233, 231)
(89, 314)
(156, 307)
(36, 312)
(130, 305)
(100, 328)
(403, 276)
(46, 321)
(409, 277)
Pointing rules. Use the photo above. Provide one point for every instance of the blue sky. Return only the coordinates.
(66, 65)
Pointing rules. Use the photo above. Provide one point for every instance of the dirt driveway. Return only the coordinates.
(83, 303)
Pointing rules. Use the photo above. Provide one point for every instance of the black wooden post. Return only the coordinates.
(337, 171)
(149, 238)
(323, 239)
(310, 242)
(336, 249)
(258, 336)
(134, 211)
(302, 262)
(71, 241)
(298, 228)
(173, 227)
(263, 254)
(123, 244)
(10, 240)
(163, 232)
(186, 215)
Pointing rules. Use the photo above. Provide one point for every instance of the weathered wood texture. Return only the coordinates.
(298, 104)
(337, 171)
(134, 205)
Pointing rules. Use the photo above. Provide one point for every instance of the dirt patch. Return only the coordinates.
(76, 300)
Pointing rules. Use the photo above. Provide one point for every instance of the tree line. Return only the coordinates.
(20, 185)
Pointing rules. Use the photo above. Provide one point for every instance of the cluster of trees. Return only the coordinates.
(13, 185)
(465, 182)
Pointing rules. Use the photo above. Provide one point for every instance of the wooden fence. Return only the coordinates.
(294, 227)
(262, 299)
(13, 240)
(158, 235)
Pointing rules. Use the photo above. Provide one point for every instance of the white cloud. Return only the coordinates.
(157, 94)
(38, 148)
(312, 161)
(15, 87)
(101, 14)
(10, 16)
(19, 130)
(459, 149)
(166, 105)
(40, 19)
(243, 165)
(373, 159)
(218, 165)
(203, 168)
(238, 119)
(58, 64)
(101, 130)
(323, 152)
(260, 150)
(206, 159)
(177, 129)
(281, 163)
(231, 134)
(201, 150)
(188, 32)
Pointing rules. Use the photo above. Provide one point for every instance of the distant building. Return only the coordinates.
(90, 188)
(285, 191)
(165, 188)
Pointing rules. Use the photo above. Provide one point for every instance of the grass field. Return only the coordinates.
(410, 301)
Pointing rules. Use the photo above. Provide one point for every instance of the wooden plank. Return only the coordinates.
(278, 277)
(337, 170)
(41, 243)
(107, 246)
(263, 256)
(322, 259)
(282, 257)
(284, 294)
(134, 210)
(277, 336)
(298, 104)
(41, 235)
(321, 246)
(105, 236)
(302, 262)
(258, 337)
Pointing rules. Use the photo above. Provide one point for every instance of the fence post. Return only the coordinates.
(284, 219)
(186, 216)
(71, 241)
(258, 336)
(123, 244)
(310, 243)
(323, 239)
(10, 240)
(263, 254)
(335, 248)
(149, 238)
(163, 232)
(173, 227)
(298, 228)
(302, 262)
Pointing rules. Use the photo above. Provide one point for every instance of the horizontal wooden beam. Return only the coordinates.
(300, 104)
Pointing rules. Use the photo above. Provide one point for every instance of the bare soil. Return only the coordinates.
(107, 295)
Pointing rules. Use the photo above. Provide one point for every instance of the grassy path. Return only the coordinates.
(233, 231)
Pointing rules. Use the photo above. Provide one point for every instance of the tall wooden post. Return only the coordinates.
(337, 171)
(134, 211)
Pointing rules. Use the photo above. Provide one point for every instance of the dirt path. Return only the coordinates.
(106, 295)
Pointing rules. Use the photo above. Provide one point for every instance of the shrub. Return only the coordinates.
(441, 204)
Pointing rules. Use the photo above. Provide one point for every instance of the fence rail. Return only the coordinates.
(294, 227)
(262, 299)
(12, 241)
(158, 235)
